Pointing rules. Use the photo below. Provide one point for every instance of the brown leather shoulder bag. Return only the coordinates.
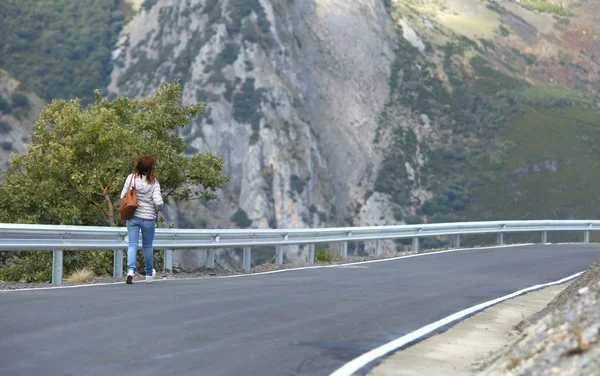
(128, 204)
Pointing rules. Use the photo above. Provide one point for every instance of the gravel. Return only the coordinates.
(586, 279)
(560, 340)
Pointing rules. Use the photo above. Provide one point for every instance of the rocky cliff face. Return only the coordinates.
(294, 93)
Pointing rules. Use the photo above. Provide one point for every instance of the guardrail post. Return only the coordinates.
(456, 241)
(57, 267)
(586, 237)
(279, 252)
(500, 238)
(544, 237)
(118, 263)
(344, 249)
(247, 258)
(210, 258)
(378, 247)
(311, 254)
(415, 244)
(168, 260)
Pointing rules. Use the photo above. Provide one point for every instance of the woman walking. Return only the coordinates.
(149, 201)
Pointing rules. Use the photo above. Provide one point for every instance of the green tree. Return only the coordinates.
(73, 170)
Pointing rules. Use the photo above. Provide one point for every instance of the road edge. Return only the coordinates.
(365, 359)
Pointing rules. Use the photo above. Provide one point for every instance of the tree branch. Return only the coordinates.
(87, 198)
(111, 209)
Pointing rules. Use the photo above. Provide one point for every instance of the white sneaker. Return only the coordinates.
(129, 279)
(149, 278)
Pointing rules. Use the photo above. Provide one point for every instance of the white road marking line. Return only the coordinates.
(353, 366)
(61, 287)
(277, 271)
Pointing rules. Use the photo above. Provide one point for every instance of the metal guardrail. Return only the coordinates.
(23, 237)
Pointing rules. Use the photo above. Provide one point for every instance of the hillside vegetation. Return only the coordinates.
(60, 48)
(510, 143)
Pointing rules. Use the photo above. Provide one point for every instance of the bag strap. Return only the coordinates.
(132, 181)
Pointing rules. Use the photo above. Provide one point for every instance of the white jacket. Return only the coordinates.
(149, 198)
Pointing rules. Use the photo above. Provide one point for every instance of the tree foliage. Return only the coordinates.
(74, 168)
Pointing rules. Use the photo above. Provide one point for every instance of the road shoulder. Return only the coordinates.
(467, 346)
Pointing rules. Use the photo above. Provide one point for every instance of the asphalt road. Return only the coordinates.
(303, 322)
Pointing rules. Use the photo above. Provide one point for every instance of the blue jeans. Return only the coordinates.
(134, 225)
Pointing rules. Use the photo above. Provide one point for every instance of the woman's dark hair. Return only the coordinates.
(144, 165)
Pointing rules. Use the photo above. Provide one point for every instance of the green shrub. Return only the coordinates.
(6, 145)
(249, 33)
(227, 56)
(213, 11)
(263, 22)
(454, 197)
(413, 220)
(206, 96)
(148, 4)
(327, 255)
(262, 255)
(446, 218)
(217, 78)
(400, 242)
(393, 174)
(433, 243)
(246, 104)
(487, 44)
(490, 81)
(297, 183)
(5, 106)
(209, 6)
(238, 10)
(398, 213)
(29, 267)
(19, 100)
(543, 6)
(228, 93)
(241, 218)
(4, 127)
(323, 256)
(324, 253)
